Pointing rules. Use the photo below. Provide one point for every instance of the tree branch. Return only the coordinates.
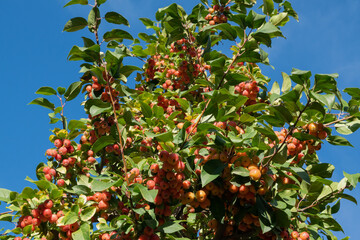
(338, 120)
(290, 131)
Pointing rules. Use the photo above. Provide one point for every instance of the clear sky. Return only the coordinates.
(34, 51)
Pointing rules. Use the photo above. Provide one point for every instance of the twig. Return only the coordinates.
(290, 131)
(234, 59)
(302, 199)
(221, 81)
(6, 212)
(338, 120)
(316, 202)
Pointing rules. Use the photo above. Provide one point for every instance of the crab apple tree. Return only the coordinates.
(204, 147)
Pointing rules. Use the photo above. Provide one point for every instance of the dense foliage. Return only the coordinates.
(201, 149)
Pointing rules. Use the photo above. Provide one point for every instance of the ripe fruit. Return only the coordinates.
(47, 213)
(294, 234)
(201, 196)
(255, 174)
(304, 236)
(48, 204)
(58, 143)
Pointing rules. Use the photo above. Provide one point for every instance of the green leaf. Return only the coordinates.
(228, 31)
(83, 233)
(43, 102)
(5, 195)
(81, 189)
(352, 178)
(210, 171)
(268, 132)
(77, 124)
(116, 18)
(240, 171)
(158, 112)
(146, 110)
(326, 99)
(117, 34)
(217, 66)
(292, 96)
(98, 186)
(72, 2)
(299, 76)
(338, 140)
(264, 213)
(266, 32)
(255, 107)
(353, 92)
(147, 22)
(325, 192)
(97, 106)
(102, 143)
(42, 184)
(183, 103)
(304, 136)
(170, 227)
(75, 24)
(88, 54)
(27, 230)
(87, 213)
(148, 195)
(286, 86)
(281, 156)
(61, 90)
(88, 42)
(6, 217)
(72, 216)
(348, 127)
(94, 19)
(56, 194)
(46, 91)
(280, 19)
(275, 88)
(268, 7)
(348, 197)
(301, 173)
(325, 82)
(324, 170)
(254, 20)
(172, 10)
(73, 90)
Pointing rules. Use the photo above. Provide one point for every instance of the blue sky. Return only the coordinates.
(34, 51)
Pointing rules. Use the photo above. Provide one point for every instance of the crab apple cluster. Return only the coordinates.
(102, 127)
(104, 91)
(43, 213)
(248, 89)
(169, 105)
(67, 230)
(185, 46)
(178, 68)
(218, 14)
(115, 236)
(295, 235)
(102, 200)
(134, 176)
(229, 125)
(294, 145)
(146, 144)
(63, 147)
(316, 129)
(238, 196)
(168, 180)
